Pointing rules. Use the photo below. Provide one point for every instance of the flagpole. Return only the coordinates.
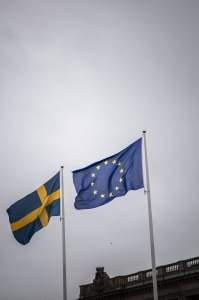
(63, 236)
(155, 291)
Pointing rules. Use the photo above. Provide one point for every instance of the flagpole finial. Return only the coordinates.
(62, 167)
(144, 131)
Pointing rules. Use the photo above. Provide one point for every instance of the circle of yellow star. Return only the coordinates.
(93, 174)
(120, 180)
(121, 170)
(95, 192)
(119, 164)
(114, 162)
(92, 183)
(98, 167)
(117, 188)
(110, 194)
(106, 162)
(102, 195)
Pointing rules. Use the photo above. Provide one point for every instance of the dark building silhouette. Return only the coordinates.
(176, 281)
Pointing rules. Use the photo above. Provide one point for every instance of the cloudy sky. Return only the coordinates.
(80, 80)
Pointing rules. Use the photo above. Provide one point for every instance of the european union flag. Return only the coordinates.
(33, 212)
(111, 177)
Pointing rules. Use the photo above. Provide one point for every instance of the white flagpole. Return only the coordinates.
(63, 236)
(155, 290)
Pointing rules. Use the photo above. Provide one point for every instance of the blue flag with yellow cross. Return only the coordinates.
(109, 178)
(33, 212)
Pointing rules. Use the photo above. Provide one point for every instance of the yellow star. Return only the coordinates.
(95, 192)
(114, 162)
(92, 183)
(98, 167)
(111, 195)
(117, 188)
(120, 180)
(102, 195)
(93, 174)
(121, 170)
(106, 162)
(119, 164)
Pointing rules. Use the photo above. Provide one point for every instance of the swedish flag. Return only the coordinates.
(33, 212)
(111, 177)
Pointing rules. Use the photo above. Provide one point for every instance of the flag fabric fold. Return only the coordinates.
(33, 212)
(109, 178)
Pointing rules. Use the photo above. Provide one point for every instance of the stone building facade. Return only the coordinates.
(176, 281)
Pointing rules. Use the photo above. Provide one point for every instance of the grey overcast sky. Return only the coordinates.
(80, 80)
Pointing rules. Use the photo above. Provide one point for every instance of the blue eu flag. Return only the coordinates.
(109, 178)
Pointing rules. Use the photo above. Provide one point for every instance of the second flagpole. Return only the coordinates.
(63, 236)
(155, 290)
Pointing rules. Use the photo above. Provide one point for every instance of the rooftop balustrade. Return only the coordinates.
(142, 278)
